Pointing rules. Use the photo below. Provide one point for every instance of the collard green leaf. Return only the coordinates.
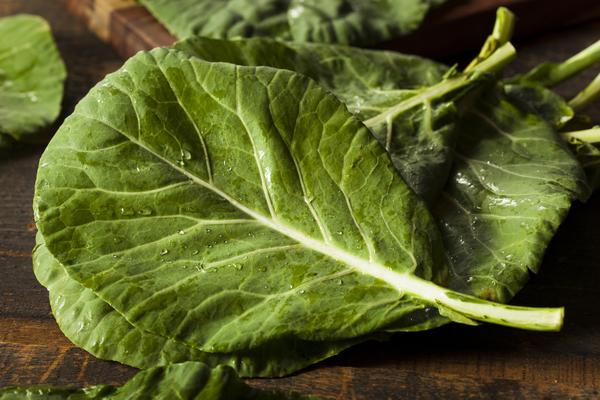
(512, 185)
(31, 78)
(222, 18)
(354, 21)
(331, 21)
(190, 380)
(46, 392)
(232, 207)
(252, 207)
(93, 325)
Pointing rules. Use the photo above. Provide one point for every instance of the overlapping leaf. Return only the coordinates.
(185, 381)
(331, 21)
(31, 78)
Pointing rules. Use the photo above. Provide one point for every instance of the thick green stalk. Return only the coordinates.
(551, 74)
(502, 33)
(588, 135)
(587, 95)
(493, 64)
(474, 308)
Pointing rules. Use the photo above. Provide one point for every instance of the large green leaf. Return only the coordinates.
(332, 21)
(254, 206)
(229, 207)
(92, 324)
(31, 77)
(190, 380)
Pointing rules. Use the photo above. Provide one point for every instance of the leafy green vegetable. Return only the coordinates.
(214, 203)
(98, 278)
(331, 21)
(355, 21)
(241, 211)
(190, 380)
(31, 78)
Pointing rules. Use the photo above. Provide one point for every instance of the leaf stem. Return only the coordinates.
(551, 74)
(502, 33)
(496, 62)
(587, 95)
(588, 135)
(471, 307)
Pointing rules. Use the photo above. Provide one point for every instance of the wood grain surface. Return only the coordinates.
(456, 27)
(453, 362)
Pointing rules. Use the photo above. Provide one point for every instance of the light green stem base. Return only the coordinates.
(587, 95)
(588, 136)
(474, 308)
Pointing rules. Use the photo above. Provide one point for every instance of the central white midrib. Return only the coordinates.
(404, 283)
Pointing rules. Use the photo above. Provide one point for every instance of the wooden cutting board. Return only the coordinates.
(455, 28)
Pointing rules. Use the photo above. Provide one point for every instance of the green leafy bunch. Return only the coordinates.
(264, 204)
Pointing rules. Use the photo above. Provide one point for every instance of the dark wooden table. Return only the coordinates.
(453, 362)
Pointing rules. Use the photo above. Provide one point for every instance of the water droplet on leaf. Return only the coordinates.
(186, 155)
